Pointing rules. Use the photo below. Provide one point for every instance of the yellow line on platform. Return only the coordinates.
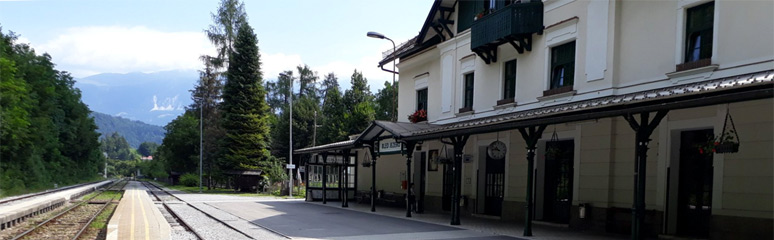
(131, 232)
(144, 218)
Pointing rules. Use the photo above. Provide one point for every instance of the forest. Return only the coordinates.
(47, 137)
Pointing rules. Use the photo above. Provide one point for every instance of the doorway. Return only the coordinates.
(557, 196)
(694, 193)
(494, 185)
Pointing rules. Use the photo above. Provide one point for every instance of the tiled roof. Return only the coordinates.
(704, 87)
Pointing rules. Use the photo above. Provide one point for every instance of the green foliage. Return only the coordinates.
(116, 147)
(358, 104)
(153, 169)
(135, 132)
(189, 180)
(276, 170)
(147, 148)
(122, 168)
(385, 100)
(223, 32)
(333, 129)
(179, 151)
(46, 134)
(244, 107)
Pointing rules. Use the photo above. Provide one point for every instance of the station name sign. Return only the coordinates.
(390, 146)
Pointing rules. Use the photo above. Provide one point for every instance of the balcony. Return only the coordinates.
(512, 24)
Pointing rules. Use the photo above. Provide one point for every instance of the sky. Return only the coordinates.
(92, 37)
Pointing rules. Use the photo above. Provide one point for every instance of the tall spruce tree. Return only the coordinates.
(223, 32)
(333, 128)
(206, 96)
(358, 104)
(245, 111)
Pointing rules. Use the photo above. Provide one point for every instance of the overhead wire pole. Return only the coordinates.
(201, 137)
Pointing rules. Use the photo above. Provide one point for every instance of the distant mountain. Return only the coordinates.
(135, 132)
(154, 98)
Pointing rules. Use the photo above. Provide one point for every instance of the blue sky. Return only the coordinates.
(92, 37)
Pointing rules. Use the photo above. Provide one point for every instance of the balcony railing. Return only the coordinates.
(513, 21)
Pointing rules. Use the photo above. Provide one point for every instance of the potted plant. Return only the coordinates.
(481, 14)
(418, 116)
(727, 142)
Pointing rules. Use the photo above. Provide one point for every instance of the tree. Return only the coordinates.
(147, 148)
(223, 32)
(116, 147)
(385, 103)
(333, 128)
(206, 96)
(244, 107)
(179, 150)
(307, 82)
(46, 134)
(358, 104)
(278, 92)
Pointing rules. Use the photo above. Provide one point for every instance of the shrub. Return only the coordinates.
(189, 180)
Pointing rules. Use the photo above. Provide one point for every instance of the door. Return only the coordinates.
(694, 198)
(558, 181)
(420, 177)
(446, 195)
(494, 186)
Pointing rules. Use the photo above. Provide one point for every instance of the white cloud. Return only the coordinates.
(274, 64)
(165, 115)
(167, 105)
(117, 49)
(122, 114)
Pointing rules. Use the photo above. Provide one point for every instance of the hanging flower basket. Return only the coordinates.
(418, 116)
(726, 142)
(366, 164)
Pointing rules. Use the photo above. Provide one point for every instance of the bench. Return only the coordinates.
(386, 199)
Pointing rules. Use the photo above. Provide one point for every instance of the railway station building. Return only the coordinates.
(646, 118)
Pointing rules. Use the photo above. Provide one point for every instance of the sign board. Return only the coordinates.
(389, 146)
(291, 166)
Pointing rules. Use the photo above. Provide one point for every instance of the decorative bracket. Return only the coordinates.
(488, 54)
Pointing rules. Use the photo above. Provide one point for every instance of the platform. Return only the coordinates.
(17, 211)
(137, 217)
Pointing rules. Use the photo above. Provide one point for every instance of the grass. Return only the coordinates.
(101, 221)
(223, 191)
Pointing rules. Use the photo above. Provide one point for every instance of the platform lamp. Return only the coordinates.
(381, 36)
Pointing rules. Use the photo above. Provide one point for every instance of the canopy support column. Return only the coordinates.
(345, 200)
(643, 130)
(325, 178)
(531, 136)
(372, 148)
(459, 143)
(409, 153)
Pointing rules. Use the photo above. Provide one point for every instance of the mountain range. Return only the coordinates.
(153, 98)
(135, 132)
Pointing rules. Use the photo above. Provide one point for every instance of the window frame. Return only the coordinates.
(418, 99)
(562, 56)
(509, 80)
(468, 88)
(704, 32)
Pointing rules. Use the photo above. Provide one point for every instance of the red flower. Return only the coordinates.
(701, 151)
(716, 143)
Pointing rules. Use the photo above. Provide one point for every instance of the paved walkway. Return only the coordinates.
(483, 225)
(24, 207)
(136, 217)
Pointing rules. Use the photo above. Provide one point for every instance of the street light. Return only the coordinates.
(290, 119)
(381, 36)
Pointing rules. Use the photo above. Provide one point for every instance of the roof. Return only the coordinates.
(424, 39)
(348, 144)
(398, 130)
(702, 93)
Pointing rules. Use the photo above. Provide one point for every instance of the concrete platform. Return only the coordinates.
(18, 211)
(137, 217)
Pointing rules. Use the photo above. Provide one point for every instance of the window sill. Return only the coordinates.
(557, 91)
(464, 112)
(557, 95)
(505, 103)
(692, 71)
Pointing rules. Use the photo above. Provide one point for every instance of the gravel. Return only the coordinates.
(251, 229)
(205, 226)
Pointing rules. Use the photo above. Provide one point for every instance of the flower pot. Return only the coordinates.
(727, 147)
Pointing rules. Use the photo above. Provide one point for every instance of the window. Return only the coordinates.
(563, 65)
(468, 94)
(422, 99)
(698, 32)
(509, 83)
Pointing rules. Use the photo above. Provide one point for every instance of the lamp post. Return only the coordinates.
(201, 140)
(381, 36)
(290, 145)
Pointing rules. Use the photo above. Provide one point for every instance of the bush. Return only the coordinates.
(189, 180)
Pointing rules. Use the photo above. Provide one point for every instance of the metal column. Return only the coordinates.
(409, 153)
(458, 143)
(531, 136)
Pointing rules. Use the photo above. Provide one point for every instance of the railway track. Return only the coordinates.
(163, 196)
(32, 195)
(73, 221)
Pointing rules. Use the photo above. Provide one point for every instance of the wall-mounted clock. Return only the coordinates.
(496, 150)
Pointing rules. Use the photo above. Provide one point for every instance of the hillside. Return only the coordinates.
(135, 132)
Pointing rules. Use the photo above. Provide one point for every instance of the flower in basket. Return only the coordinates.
(480, 15)
(418, 116)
